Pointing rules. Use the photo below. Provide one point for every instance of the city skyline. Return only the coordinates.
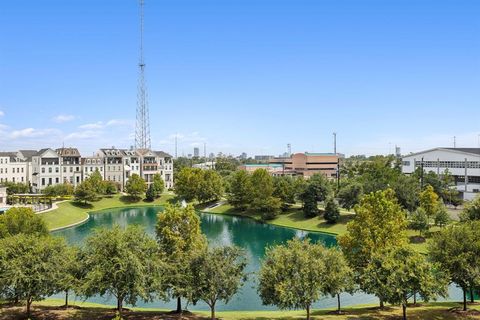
(228, 75)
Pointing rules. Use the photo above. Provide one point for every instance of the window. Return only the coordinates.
(64, 169)
(56, 180)
(56, 170)
(49, 170)
(43, 181)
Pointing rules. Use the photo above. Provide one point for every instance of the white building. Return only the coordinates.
(3, 198)
(71, 164)
(92, 164)
(13, 168)
(462, 163)
(45, 169)
(165, 166)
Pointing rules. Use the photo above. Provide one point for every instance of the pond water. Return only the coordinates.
(252, 236)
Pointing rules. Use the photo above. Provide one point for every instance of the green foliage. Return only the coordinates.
(419, 221)
(338, 277)
(226, 165)
(442, 217)
(397, 274)
(284, 188)
(332, 212)
(317, 189)
(123, 263)
(180, 239)
(151, 193)
(271, 208)
(429, 201)
(58, 190)
(22, 220)
(135, 186)
(407, 189)
(456, 249)
(218, 274)
(85, 192)
(97, 182)
(158, 185)
(211, 186)
(240, 190)
(292, 275)
(110, 187)
(471, 211)
(16, 187)
(310, 204)
(262, 199)
(349, 195)
(379, 223)
(31, 267)
(197, 184)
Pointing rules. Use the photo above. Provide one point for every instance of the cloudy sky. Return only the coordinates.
(242, 75)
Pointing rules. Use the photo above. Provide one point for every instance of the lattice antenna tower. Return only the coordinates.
(142, 127)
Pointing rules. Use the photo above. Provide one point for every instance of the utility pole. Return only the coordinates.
(335, 143)
(338, 158)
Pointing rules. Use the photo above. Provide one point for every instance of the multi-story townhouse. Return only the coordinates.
(114, 166)
(70, 163)
(131, 162)
(92, 164)
(12, 168)
(165, 162)
(26, 156)
(149, 165)
(45, 169)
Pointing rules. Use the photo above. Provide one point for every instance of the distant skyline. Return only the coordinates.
(242, 75)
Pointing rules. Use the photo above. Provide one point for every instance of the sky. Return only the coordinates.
(242, 75)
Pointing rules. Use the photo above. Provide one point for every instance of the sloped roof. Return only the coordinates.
(467, 150)
(28, 154)
(162, 154)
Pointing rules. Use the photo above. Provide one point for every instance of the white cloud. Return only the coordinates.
(88, 134)
(32, 133)
(61, 118)
(109, 123)
(89, 126)
(2, 113)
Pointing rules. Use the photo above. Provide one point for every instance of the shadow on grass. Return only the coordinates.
(344, 219)
(129, 199)
(417, 239)
(82, 205)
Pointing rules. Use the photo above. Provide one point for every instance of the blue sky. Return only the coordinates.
(242, 75)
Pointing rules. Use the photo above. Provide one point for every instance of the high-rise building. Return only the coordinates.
(196, 152)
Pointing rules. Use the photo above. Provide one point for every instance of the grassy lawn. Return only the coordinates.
(70, 212)
(51, 309)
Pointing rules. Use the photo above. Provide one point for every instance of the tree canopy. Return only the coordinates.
(22, 220)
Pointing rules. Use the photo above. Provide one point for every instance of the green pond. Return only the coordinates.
(252, 236)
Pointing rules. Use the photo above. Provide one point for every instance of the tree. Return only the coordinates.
(22, 220)
(240, 190)
(262, 199)
(135, 186)
(284, 189)
(407, 189)
(150, 195)
(71, 276)
(85, 192)
(310, 204)
(442, 218)
(14, 188)
(317, 189)
(110, 187)
(457, 250)
(292, 275)
(379, 223)
(349, 195)
(180, 239)
(218, 274)
(338, 275)
(429, 201)
(471, 211)
(96, 180)
(211, 186)
(419, 221)
(123, 263)
(187, 183)
(31, 267)
(332, 212)
(158, 185)
(400, 273)
(59, 190)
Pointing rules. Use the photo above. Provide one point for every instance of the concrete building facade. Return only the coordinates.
(462, 163)
(13, 168)
(307, 164)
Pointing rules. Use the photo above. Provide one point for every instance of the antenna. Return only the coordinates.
(142, 128)
(454, 141)
(335, 143)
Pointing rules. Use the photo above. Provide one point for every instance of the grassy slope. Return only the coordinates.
(70, 212)
(438, 311)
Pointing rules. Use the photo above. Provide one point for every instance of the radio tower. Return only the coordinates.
(142, 127)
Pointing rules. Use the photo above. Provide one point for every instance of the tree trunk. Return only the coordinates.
(472, 295)
(382, 305)
(308, 312)
(415, 298)
(29, 304)
(338, 302)
(66, 299)
(212, 312)
(404, 307)
(120, 306)
(464, 300)
(179, 305)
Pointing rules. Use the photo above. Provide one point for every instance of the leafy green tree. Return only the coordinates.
(97, 183)
(226, 165)
(442, 218)
(71, 276)
(271, 208)
(123, 263)
(135, 186)
(349, 195)
(65, 189)
(211, 186)
(110, 187)
(180, 239)
(332, 212)
(407, 190)
(218, 274)
(310, 203)
(284, 189)
(158, 184)
(419, 221)
(22, 220)
(85, 192)
(31, 267)
(239, 192)
(338, 275)
(16, 187)
(456, 249)
(400, 273)
(379, 223)
(262, 199)
(188, 183)
(429, 201)
(150, 194)
(320, 184)
(292, 275)
(471, 211)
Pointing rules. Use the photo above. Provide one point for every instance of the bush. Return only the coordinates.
(419, 220)
(332, 212)
(151, 193)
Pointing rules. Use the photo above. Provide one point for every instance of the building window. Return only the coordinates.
(43, 181)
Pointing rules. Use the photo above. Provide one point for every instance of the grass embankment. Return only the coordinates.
(51, 309)
(70, 212)
(294, 218)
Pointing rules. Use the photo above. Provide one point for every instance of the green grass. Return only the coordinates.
(434, 311)
(70, 212)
